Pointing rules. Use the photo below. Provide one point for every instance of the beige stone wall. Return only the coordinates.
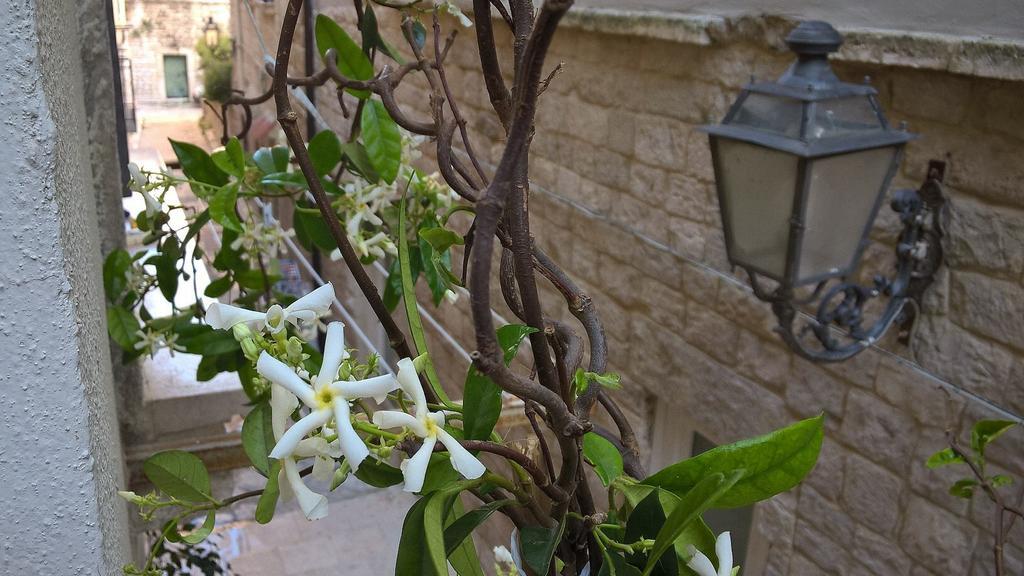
(623, 198)
(154, 28)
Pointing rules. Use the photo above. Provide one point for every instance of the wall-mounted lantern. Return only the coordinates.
(211, 33)
(802, 166)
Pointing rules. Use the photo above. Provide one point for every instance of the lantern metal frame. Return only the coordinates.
(838, 322)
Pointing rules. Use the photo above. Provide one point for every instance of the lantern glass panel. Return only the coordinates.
(842, 194)
(771, 114)
(843, 117)
(757, 185)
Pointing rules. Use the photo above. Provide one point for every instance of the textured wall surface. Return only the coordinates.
(158, 27)
(623, 198)
(60, 455)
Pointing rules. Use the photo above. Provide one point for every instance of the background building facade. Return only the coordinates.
(623, 197)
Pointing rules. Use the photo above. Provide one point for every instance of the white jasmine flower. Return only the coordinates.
(325, 398)
(152, 341)
(303, 311)
(700, 563)
(430, 427)
(140, 183)
(313, 505)
(262, 238)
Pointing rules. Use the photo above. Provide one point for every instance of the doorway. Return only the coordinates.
(176, 75)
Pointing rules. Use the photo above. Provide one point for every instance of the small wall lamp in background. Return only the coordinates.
(211, 33)
(802, 166)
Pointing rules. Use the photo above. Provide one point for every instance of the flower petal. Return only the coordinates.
(318, 301)
(323, 469)
(223, 316)
(282, 404)
(700, 564)
(313, 505)
(334, 353)
(463, 462)
(415, 469)
(291, 438)
(310, 447)
(410, 384)
(352, 446)
(281, 374)
(395, 419)
(376, 388)
(723, 548)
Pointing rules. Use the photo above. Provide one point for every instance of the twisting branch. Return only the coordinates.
(288, 119)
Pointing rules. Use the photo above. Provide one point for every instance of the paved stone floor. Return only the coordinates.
(359, 537)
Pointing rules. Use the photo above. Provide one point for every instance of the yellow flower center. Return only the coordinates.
(324, 397)
(431, 427)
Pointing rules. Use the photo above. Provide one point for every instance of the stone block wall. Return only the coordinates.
(623, 197)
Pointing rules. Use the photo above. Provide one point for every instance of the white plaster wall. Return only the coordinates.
(60, 454)
(1001, 18)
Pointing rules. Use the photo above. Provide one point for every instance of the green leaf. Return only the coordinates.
(222, 208)
(433, 266)
(616, 565)
(774, 463)
(115, 271)
(256, 280)
(481, 403)
(231, 159)
(197, 165)
(122, 326)
(271, 160)
(604, 455)
(219, 287)
(481, 400)
(325, 151)
(963, 488)
(372, 37)
(293, 180)
(537, 546)
(360, 159)
(645, 522)
(419, 34)
(421, 550)
(207, 368)
(701, 497)
(166, 264)
(510, 336)
(352, 63)
(943, 457)
(986, 431)
(210, 342)
(258, 437)
(464, 558)
(228, 259)
(382, 140)
(412, 313)
(268, 500)
(311, 228)
(193, 229)
(179, 474)
(200, 534)
(393, 285)
(461, 528)
(378, 474)
(441, 239)
(1000, 480)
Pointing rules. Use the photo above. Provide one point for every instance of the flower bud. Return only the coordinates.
(251, 349)
(294, 350)
(131, 497)
(241, 332)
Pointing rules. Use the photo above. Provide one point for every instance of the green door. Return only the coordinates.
(176, 76)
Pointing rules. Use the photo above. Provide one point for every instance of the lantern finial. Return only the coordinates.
(812, 42)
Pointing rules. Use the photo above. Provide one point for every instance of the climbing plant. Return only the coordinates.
(329, 411)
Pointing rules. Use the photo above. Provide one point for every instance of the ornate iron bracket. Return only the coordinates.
(838, 323)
